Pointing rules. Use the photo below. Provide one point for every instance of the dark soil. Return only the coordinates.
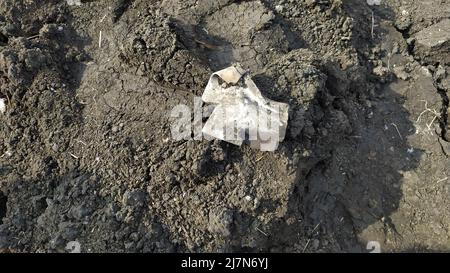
(86, 148)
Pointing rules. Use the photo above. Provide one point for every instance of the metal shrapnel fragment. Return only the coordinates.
(242, 113)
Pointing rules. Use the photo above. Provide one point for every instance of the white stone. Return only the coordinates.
(373, 2)
(2, 106)
(74, 2)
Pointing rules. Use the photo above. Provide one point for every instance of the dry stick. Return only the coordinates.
(373, 25)
(100, 40)
(207, 45)
(424, 111)
(314, 229)
(398, 131)
(103, 18)
(307, 244)
(441, 180)
(309, 240)
(33, 37)
(431, 123)
(259, 159)
(389, 61)
(436, 114)
(74, 156)
(265, 234)
(82, 142)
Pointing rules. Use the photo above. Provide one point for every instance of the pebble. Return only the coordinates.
(55, 147)
(2, 106)
(279, 8)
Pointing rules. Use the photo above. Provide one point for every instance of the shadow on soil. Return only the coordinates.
(355, 180)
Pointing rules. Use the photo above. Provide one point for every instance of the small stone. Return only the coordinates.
(279, 8)
(440, 73)
(380, 71)
(134, 236)
(403, 21)
(410, 40)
